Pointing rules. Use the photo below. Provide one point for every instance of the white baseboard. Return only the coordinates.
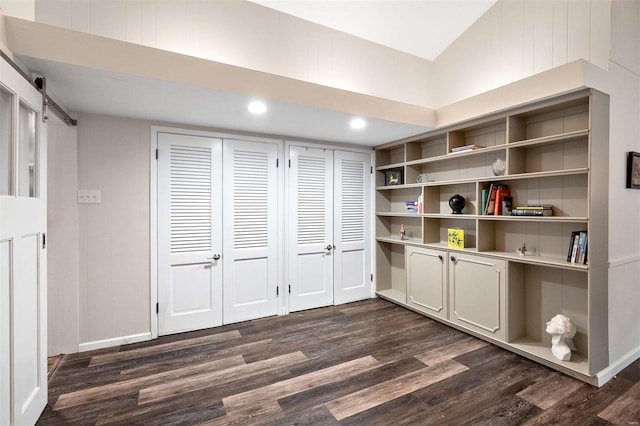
(116, 341)
(608, 373)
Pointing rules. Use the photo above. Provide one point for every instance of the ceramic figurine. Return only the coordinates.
(562, 331)
(403, 233)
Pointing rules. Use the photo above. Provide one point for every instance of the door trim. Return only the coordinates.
(153, 208)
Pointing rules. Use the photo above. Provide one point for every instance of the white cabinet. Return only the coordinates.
(477, 293)
(427, 281)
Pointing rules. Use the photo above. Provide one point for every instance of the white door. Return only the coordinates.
(23, 260)
(250, 230)
(310, 228)
(189, 232)
(352, 260)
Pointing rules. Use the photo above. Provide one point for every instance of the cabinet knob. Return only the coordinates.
(329, 247)
(453, 259)
(214, 257)
(440, 256)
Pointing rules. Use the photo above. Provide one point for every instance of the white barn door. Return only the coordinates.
(352, 259)
(23, 256)
(250, 230)
(189, 232)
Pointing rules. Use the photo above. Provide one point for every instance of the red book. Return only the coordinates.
(492, 200)
(500, 194)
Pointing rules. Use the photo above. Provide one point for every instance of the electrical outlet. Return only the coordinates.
(89, 196)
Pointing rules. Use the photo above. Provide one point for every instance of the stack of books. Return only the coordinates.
(465, 148)
(578, 247)
(492, 200)
(537, 210)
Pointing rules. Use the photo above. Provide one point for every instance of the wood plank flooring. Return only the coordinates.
(364, 363)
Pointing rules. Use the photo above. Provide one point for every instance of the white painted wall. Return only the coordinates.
(23, 9)
(62, 224)
(251, 36)
(624, 222)
(113, 237)
(516, 39)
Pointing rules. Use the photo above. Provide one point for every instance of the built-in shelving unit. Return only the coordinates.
(556, 152)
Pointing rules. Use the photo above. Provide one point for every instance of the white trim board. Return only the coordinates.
(115, 341)
(614, 368)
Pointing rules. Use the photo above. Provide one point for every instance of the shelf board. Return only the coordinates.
(411, 185)
(578, 363)
(394, 214)
(391, 166)
(445, 246)
(537, 260)
(562, 137)
(393, 295)
(533, 175)
(453, 155)
(559, 219)
(449, 216)
(397, 240)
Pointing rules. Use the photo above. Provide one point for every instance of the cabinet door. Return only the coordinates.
(426, 281)
(477, 293)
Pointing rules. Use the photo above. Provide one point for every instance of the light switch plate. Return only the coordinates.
(89, 196)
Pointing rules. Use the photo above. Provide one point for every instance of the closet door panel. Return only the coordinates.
(310, 228)
(250, 230)
(352, 189)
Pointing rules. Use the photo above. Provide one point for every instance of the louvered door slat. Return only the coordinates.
(190, 202)
(353, 215)
(312, 198)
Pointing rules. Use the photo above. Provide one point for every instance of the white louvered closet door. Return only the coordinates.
(250, 230)
(352, 260)
(189, 232)
(310, 228)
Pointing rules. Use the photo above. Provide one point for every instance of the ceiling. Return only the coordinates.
(422, 28)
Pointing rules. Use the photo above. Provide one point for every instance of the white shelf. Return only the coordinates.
(397, 240)
(393, 295)
(534, 259)
(578, 363)
(562, 137)
(394, 214)
(453, 155)
(532, 175)
(559, 219)
(391, 166)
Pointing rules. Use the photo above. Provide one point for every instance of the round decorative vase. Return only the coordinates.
(457, 203)
(499, 167)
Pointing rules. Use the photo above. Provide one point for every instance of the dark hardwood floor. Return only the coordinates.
(364, 363)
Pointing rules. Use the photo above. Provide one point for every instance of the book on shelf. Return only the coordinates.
(485, 200)
(533, 210)
(465, 148)
(578, 247)
(528, 212)
(455, 238)
(501, 193)
(494, 203)
(535, 207)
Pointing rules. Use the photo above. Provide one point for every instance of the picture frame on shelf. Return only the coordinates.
(633, 170)
(393, 177)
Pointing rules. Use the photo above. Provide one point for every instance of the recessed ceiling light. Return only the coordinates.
(257, 107)
(358, 123)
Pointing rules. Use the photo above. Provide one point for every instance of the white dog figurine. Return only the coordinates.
(561, 328)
